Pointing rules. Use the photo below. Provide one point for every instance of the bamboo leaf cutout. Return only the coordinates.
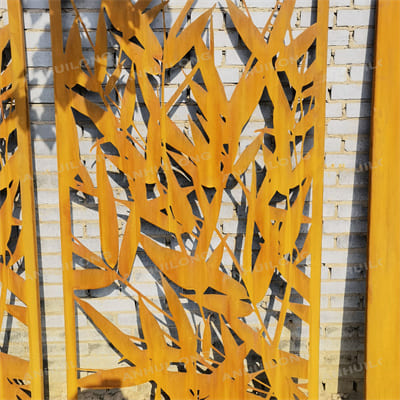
(21, 372)
(179, 170)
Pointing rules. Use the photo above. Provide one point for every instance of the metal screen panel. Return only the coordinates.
(20, 378)
(158, 182)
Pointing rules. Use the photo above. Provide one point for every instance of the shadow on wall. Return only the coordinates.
(146, 391)
(112, 394)
(352, 365)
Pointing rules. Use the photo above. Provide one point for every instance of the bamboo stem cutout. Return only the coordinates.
(19, 296)
(175, 179)
(383, 284)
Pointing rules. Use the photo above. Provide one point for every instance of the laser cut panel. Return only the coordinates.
(152, 145)
(20, 331)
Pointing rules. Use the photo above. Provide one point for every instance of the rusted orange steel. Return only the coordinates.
(189, 169)
(383, 305)
(20, 378)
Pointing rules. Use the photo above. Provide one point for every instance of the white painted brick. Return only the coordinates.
(259, 19)
(353, 91)
(233, 227)
(360, 144)
(333, 144)
(92, 230)
(327, 241)
(324, 304)
(303, 3)
(148, 289)
(340, 316)
(356, 257)
(331, 344)
(265, 3)
(333, 226)
(363, 36)
(52, 278)
(38, 40)
(307, 18)
(53, 291)
(346, 301)
(109, 305)
(330, 178)
(338, 256)
(54, 321)
(346, 193)
(339, 3)
(51, 261)
(225, 39)
(49, 230)
(81, 213)
(328, 56)
(219, 17)
(47, 197)
(45, 148)
(40, 4)
(348, 126)
(355, 110)
(41, 95)
(325, 274)
(331, 19)
(39, 58)
(338, 37)
(351, 241)
(336, 74)
(88, 4)
(341, 287)
(364, 3)
(227, 211)
(170, 18)
(90, 19)
(40, 76)
(48, 213)
(355, 17)
(333, 110)
(180, 3)
(36, 20)
(351, 178)
(236, 57)
(353, 56)
(360, 73)
(329, 210)
(343, 226)
(352, 210)
(42, 113)
(43, 131)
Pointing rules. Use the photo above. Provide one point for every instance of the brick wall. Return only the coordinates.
(350, 69)
(344, 266)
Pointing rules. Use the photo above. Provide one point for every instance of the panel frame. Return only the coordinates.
(25, 174)
(382, 373)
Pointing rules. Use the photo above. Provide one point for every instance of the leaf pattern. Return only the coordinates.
(20, 378)
(214, 336)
